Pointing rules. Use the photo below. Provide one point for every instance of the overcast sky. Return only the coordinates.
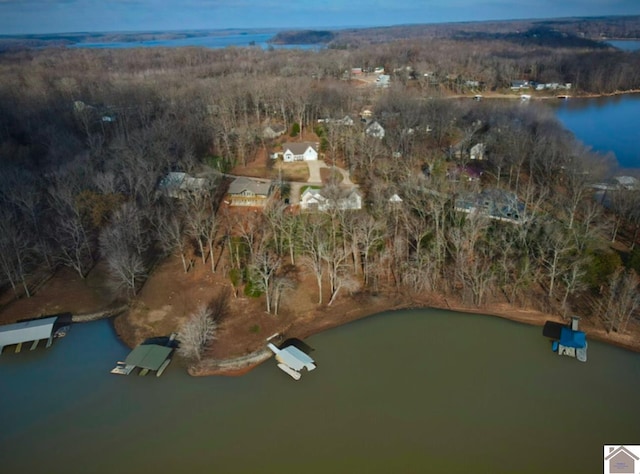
(50, 16)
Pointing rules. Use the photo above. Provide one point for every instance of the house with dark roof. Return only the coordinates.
(273, 131)
(496, 204)
(374, 129)
(300, 151)
(519, 85)
(179, 185)
(248, 192)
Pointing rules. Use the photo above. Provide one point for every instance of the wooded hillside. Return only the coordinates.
(87, 137)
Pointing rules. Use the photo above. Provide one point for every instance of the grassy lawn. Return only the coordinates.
(297, 171)
(329, 174)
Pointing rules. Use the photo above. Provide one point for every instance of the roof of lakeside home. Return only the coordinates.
(241, 184)
(298, 148)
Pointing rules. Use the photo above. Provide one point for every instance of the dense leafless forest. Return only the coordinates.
(86, 136)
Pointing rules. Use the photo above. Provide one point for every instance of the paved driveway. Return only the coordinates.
(314, 171)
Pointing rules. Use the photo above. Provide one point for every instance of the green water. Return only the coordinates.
(403, 392)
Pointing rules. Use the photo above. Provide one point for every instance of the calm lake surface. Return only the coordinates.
(404, 392)
(607, 124)
(217, 41)
(625, 45)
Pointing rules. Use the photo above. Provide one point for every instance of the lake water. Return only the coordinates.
(625, 45)
(216, 41)
(403, 392)
(607, 124)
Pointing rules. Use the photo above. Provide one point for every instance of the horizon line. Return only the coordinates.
(315, 28)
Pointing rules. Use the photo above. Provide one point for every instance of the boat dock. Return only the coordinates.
(567, 339)
(292, 360)
(147, 358)
(33, 331)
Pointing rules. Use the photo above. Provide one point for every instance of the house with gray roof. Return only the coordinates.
(248, 192)
(374, 129)
(496, 204)
(179, 185)
(273, 131)
(300, 151)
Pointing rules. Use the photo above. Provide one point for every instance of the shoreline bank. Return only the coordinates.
(307, 327)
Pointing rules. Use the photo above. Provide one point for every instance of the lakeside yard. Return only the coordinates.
(170, 296)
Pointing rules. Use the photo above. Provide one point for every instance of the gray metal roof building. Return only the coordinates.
(28, 331)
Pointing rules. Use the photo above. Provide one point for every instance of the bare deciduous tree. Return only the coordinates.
(198, 331)
(621, 300)
(264, 268)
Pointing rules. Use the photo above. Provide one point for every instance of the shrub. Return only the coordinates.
(601, 266)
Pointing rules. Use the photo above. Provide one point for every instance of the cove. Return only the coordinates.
(406, 391)
(607, 124)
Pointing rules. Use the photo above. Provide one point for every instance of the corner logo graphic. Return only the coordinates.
(621, 459)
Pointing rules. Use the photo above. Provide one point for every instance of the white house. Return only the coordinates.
(383, 80)
(477, 151)
(302, 151)
(374, 129)
(327, 199)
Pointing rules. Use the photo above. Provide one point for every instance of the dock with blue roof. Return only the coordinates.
(567, 339)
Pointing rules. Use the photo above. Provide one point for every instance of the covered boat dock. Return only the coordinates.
(147, 357)
(567, 340)
(32, 331)
(292, 360)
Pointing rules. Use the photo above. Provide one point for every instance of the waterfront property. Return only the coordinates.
(146, 357)
(28, 331)
(567, 340)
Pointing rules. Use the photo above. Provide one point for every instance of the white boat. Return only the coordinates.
(122, 369)
(288, 370)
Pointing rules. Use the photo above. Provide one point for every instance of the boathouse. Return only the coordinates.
(28, 331)
(567, 340)
(146, 357)
(291, 359)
